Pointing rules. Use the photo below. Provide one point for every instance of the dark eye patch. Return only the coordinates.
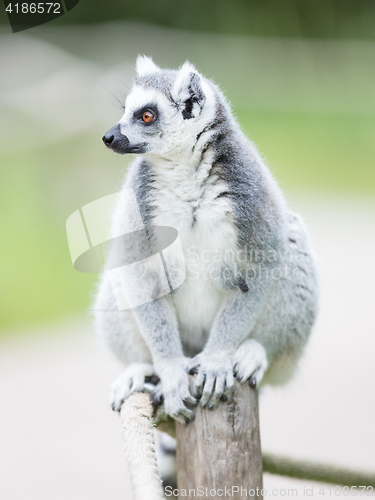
(151, 108)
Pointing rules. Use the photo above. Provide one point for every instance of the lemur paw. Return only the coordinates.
(173, 391)
(132, 380)
(250, 362)
(214, 380)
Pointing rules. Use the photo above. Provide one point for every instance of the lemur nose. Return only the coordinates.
(108, 138)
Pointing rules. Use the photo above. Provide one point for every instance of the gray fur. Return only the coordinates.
(253, 314)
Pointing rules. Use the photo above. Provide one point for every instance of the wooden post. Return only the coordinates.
(221, 449)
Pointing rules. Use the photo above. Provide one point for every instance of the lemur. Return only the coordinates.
(249, 298)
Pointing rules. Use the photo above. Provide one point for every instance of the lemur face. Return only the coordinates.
(164, 111)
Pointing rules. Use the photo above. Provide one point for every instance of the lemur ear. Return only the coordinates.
(187, 91)
(145, 66)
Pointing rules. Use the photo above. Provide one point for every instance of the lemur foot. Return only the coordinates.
(173, 390)
(132, 380)
(214, 380)
(250, 362)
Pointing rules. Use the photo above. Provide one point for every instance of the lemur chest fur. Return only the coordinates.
(190, 200)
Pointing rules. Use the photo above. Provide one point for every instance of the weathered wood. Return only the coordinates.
(221, 449)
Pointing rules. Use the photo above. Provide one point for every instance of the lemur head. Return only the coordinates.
(165, 111)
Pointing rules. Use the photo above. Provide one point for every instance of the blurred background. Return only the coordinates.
(300, 77)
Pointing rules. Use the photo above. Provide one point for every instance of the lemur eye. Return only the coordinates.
(147, 116)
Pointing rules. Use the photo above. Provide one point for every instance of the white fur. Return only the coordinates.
(132, 380)
(180, 190)
(145, 66)
(250, 359)
(179, 90)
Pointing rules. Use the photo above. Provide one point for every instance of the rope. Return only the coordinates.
(138, 433)
(139, 439)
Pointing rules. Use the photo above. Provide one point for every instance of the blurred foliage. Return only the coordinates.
(308, 105)
(275, 18)
(279, 18)
(316, 152)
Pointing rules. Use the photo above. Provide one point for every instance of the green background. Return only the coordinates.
(300, 78)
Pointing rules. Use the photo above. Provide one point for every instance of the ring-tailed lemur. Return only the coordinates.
(249, 299)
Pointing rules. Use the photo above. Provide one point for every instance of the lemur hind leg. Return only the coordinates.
(132, 380)
(250, 362)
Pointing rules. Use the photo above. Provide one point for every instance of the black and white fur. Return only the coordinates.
(249, 300)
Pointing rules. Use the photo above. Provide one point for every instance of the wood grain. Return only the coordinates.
(221, 447)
